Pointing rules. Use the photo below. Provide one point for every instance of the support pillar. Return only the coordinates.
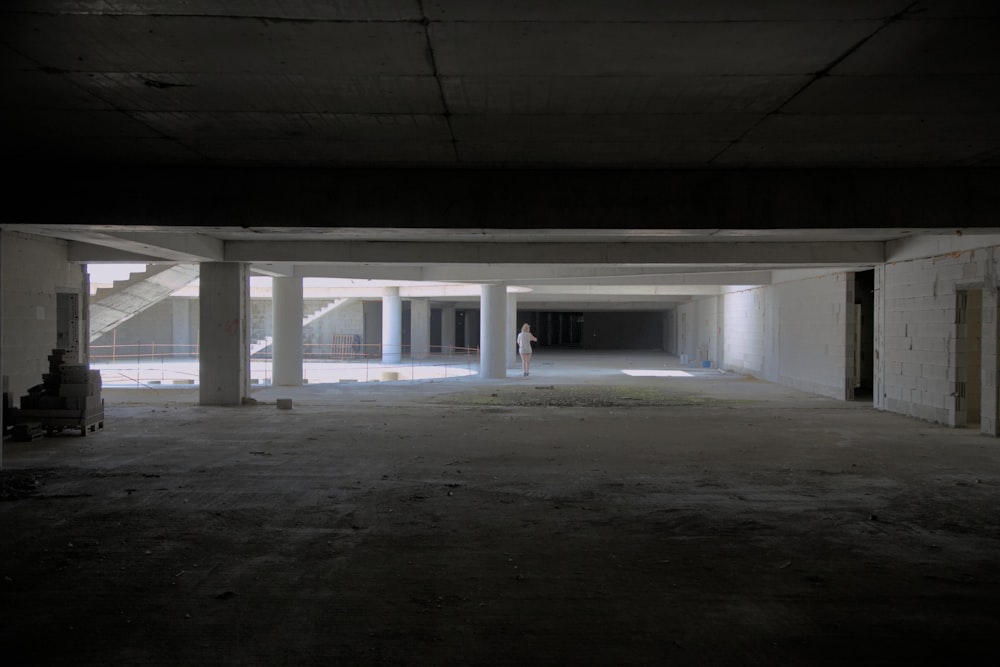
(286, 297)
(493, 332)
(224, 355)
(879, 399)
(392, 326)
(448, 330)
(513, 327)
(420, 329)
(990, 405)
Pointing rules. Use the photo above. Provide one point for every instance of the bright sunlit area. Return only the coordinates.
(102, 275)
(652, 373)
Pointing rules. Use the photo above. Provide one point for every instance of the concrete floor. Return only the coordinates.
(581, 516)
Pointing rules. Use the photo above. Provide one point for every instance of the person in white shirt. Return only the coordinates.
(524, 341)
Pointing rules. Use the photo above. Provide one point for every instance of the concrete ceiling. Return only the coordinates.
(479, 84)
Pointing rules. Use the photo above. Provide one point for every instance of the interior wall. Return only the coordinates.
(698, 331)
(30, 304)
(745, 331)
(792, 333)
(814, 318)
(920, 342)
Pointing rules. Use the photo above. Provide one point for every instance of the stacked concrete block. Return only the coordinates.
(69, 396)
(80, 387)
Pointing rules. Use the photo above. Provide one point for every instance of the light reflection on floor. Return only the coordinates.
(664, 374)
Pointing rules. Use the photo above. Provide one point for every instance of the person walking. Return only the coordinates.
(524, 341)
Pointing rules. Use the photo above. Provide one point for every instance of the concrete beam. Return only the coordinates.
(595, 292)
(510, 198)
(360, 272)
(919, 247)
(570, 304)
(87, 253)
(589, 274)
(723, 253)
(156, 247)
(688, 279)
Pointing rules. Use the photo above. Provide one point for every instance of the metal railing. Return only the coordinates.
(150, 364)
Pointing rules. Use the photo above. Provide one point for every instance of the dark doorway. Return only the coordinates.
(864, 335)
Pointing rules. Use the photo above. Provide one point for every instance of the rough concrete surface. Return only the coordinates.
(577, 517)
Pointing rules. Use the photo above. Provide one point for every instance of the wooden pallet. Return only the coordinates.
(28, 432)
(55, 421)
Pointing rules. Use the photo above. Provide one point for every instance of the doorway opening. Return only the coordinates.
(864, 335)
(969, 358)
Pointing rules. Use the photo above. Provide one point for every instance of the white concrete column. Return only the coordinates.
(493, 332)
(420, 328)
(286, 299)
(392, 326)
(513, 327)
(224, 354)
(448, 330)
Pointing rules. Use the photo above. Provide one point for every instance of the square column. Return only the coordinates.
(286, 296)
(224, 354)
(990, 405)
(420, 328)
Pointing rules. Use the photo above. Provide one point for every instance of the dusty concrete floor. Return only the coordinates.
(577, 517)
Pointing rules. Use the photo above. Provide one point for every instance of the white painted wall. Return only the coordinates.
(813, 318)
(745, 331)
(793, 333)
(697, 331)
(34, 269)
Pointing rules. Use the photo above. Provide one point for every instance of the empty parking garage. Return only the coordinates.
(757, 244)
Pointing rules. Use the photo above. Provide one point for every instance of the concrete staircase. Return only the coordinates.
(111, 306)
(261, 345)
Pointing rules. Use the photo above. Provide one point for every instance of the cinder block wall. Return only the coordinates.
(793, 333)
(29, 304)
(812, 324)
(348, 319)
(698, 330)
(746, 326)
(918, 333)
